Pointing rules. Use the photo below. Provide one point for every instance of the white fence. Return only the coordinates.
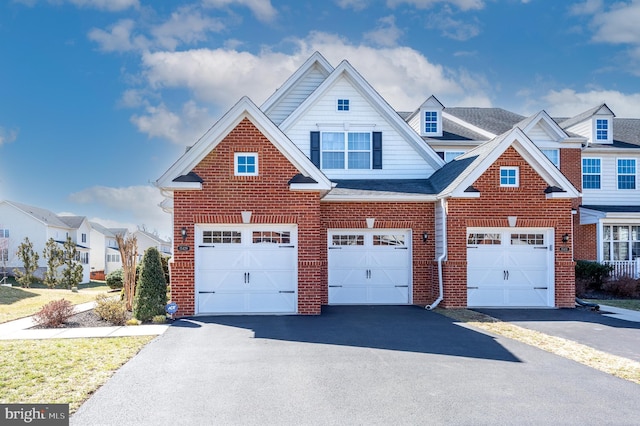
(630, 268)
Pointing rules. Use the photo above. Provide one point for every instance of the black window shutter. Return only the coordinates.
(315, 148)
(377, 150)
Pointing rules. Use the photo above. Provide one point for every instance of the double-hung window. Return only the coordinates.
(591, 170)
(626, 173)
(346, 150)
(430, 122)
(602, 129)
(620, 242)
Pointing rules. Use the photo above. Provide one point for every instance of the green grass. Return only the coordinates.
(633, 304)
(61, 371)
(18, 302)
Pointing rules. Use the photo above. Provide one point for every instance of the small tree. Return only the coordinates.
(151, 293)
(53, 254)
(29, 260)
(128, 246)
(72, 269)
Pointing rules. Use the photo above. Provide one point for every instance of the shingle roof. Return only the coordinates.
(73, 222)
(382, 187)
(580, 117)
(43, 215)
(626, 130)
(494, 120)
(102, 229)
(444, 176)
(613, 209)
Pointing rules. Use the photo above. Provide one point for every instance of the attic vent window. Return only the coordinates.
(343, 104)
(509, 177)
(602, 130)
(431, 122)
(246, 164)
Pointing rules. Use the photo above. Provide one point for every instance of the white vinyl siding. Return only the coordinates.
(279, 112)
(399, 158)
(609, 194)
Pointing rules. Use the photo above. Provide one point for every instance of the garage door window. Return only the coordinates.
(527, 239)
(388, 240)
(273, 237)
(221, 237)
(492, 239)
(347, 240)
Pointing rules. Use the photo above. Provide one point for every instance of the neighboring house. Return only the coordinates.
(147, 239)
(20, 221)
(105, 253)
(326, 195)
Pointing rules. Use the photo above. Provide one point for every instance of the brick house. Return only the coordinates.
(326, 195)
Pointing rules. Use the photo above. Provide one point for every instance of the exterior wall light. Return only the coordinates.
(183, 233)
(425, 236)
(565, 238)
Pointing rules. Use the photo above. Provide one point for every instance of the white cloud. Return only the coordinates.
(356, 5)
(426, 4)
(262, 9)
(186, 25)
(138, 202)
(107, 5)
(588, 7)
(455, 29)
(403, 76)
(183, 128)
(386, 34)
(119, 38)
(568, 102)
(619, 24)
(7, 136)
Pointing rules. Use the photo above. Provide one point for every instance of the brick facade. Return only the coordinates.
(529, 203)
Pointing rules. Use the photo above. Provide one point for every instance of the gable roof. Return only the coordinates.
(43, 215)
(102, 229)
(586, 115)
(482, 157)
(74, 222)
(493, 120)
(376, 101)
(244, 108)
(548, 124)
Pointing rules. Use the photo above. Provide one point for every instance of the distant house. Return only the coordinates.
(146, 240)
(19, 221)
(105, 253)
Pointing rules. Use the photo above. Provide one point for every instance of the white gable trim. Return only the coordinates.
(244, 108)
(488, 153)
(314, 60)
(548, 124)
(377, 101)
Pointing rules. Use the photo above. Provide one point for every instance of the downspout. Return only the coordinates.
(441, 258)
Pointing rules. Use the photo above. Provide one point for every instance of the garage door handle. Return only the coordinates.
(541, 288)
(206, 292)
(286, 291)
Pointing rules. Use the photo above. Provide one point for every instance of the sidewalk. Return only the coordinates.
(620, 313)
(20, 329)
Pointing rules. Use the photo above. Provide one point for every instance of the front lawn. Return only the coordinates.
(17, 302)
(62, 371)
(633, 304)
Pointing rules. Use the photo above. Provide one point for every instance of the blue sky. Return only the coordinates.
(99, 97)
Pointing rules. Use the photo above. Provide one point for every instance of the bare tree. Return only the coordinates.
(128, 246)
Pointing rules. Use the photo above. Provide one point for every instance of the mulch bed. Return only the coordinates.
(84, 319)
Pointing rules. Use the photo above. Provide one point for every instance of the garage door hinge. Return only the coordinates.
(540, 247)
(206, 292)
(401, 248)
(402, 286)
(335, 248)
(287, 246)
(472, 288)
(541, 288)
(286, 291)
(335, 286)
(206, 246)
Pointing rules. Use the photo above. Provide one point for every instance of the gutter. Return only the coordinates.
(441, 258)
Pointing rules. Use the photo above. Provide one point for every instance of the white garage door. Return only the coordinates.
(369, 266)
(510, 267)
(246, 269)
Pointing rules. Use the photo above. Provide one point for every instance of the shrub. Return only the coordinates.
(593, 272)
(624, 286)
(111, 309)
(133, 321)
(54, 313)
(115, 279)
(151, 291)
(159, 319)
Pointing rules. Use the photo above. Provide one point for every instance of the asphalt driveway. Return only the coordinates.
(352, 365)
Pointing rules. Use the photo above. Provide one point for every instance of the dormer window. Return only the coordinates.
(343, 104)
(431, 122)
(602, 129)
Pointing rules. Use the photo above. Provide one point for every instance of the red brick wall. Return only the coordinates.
(584, 242)
(419, 217)
(528, 202)
(267, 196)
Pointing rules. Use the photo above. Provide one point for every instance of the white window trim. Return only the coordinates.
(609, 138)
(582, 173)
(423, 122)
(244, 154)
(625, 174)
(507, 185)
(346, 150)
